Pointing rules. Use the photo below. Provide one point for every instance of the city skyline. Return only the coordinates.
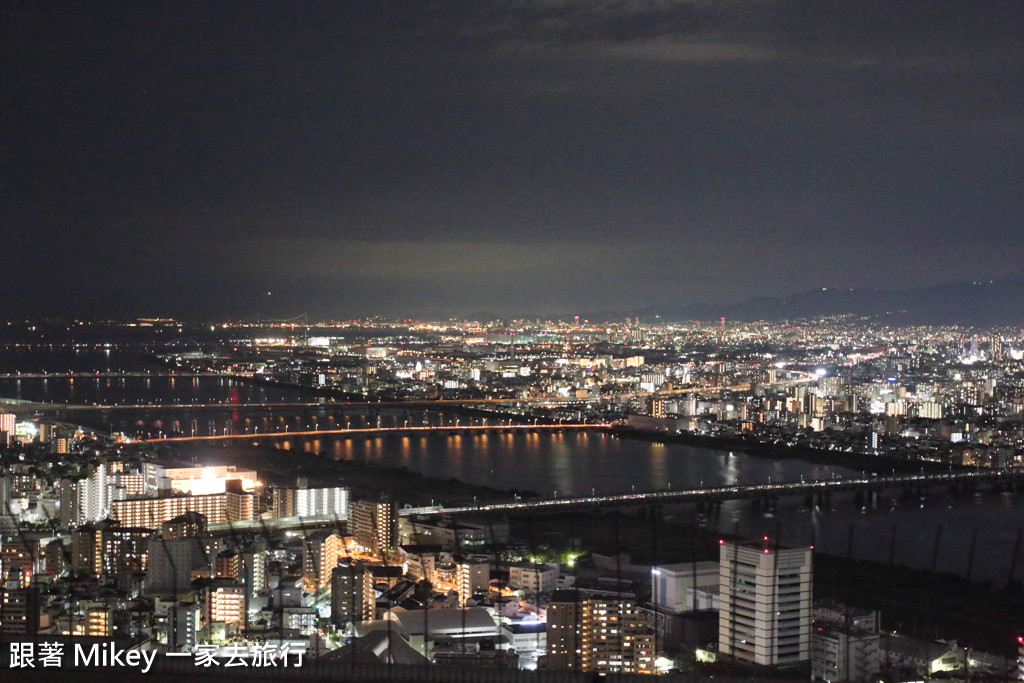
(535, 158)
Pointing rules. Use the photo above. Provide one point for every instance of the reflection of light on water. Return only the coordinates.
(561, 465)
(659, 470)
(731, 471)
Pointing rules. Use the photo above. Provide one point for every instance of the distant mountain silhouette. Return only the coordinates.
(987, 303)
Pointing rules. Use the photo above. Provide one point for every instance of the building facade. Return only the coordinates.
(605, 635)
(765, 603)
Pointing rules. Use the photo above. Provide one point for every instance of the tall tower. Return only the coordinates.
(766, 592)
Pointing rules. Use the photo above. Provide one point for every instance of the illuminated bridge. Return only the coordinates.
(227, 406)
(110, 375)
(381, 431)
(712, 494)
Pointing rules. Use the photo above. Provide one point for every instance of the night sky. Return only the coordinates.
(435, 159)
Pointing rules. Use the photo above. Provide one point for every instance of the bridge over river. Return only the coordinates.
(399, 431)
(1008, 477)
(1000, 478)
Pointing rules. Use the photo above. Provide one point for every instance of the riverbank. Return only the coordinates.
(881, 464)
(279, 467)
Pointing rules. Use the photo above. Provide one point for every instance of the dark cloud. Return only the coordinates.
(443, 157)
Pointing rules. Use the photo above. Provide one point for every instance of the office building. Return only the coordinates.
(685, 587)
(533, 578)
(765, 609)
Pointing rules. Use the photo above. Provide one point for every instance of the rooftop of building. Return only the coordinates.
(520, 627)
(707, 567)
(445, 621)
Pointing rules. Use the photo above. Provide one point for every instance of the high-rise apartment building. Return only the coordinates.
(228, 604)
(765, 593)
(7, 422)
(184, 525)
(321, 552)
(170, 564)
(108, 548)
(69, 512)
(253, 568)
(183, 621)
(471, 576)
(598, 634)
(19, 606)
(20, 554)
(353, 598)
(374, 524)
(319, 502)
(845, 644)
(231, 506)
